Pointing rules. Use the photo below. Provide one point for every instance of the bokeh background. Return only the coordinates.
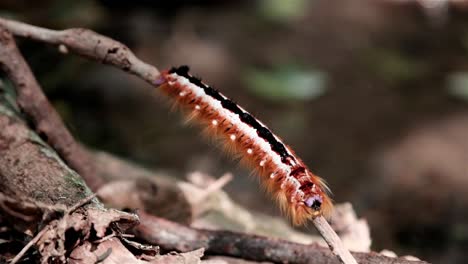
(372, 94)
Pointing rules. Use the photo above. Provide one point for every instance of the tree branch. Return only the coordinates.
(333, 240)
(89, 44)
(173, 236)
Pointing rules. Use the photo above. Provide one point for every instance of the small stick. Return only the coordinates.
(29, 245)
(333, 240)
(89, 44)
(218, 184)
(106, 238)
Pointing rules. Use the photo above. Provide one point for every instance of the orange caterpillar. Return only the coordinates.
(300, 194)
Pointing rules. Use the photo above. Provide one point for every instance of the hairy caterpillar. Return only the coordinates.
(300, 194)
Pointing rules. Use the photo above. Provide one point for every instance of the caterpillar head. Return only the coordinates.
(314, 205)
(314, 202)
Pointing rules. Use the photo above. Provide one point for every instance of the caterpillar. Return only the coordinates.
(300, 194)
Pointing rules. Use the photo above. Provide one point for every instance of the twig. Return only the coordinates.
(333, 240)
(29, 245)
(105, 238)
(172, 236)
(216, 185)
(89, 44)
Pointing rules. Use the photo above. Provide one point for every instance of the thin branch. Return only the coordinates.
(216, 185)
(173, 236)
(29, 245)
(333, 241)
(89, 44)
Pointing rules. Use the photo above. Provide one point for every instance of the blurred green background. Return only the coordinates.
(373, 95)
